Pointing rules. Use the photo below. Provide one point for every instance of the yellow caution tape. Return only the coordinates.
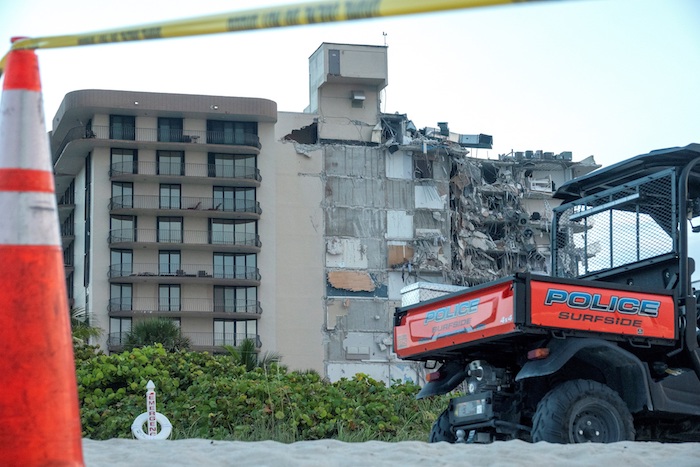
(259, 18)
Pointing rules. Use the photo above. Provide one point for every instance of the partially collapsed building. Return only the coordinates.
(299, 230)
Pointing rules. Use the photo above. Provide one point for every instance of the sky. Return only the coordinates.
(608, 78)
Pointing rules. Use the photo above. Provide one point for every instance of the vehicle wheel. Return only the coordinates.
(441, 430)
(582, 411)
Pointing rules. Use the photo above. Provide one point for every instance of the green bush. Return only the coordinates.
(210, 396)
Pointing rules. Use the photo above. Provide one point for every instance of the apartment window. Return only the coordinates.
(68, 254)
(68, 195)
(235, 299)
(232, 166)
(122, 127)
(169, 196)
(122, 195)
(169, 297)
(170, 229)
(171, 162)
(122, 229)
(219, 132)
(119, 328)
(235, 266)
(169, 262)
(232, 232)
(88, 221)
(68, 225)
(233, 332)
(234, 199)
(123, 161)
(170, 129)
(121, 263)
(69, 285)
(120, 297)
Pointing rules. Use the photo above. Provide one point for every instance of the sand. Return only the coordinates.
(329, 453)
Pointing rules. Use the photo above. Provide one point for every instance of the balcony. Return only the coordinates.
(175, 172)
(187, 307)
(173, 138)
(193, 239)
(184, 274)
(201, 341)
(187, 205)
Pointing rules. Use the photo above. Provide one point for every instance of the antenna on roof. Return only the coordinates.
(384, 34)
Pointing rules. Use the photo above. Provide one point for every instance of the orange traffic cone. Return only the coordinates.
(39, 418)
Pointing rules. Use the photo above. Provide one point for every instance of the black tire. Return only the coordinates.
(582, 411)
(441, 430)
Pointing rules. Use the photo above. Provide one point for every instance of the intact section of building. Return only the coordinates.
(298, 230)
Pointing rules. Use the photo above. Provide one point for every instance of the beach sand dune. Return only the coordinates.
(329, 453)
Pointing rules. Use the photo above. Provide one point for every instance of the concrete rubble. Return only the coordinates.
(418, 205)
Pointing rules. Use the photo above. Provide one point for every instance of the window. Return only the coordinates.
(234, 199)
(120, 297)
(231, 232)
(88, 221)
(122, 195)
(171, 162)
(169, 196)
(235, 299)
(122, 127)
(170, 129)
(169, 297)
(119, 328)
(68, 254)
(334, 62)
(232, 132)
(122, 229)
(121, 263)
(233, 332)
(170, 229)
(169, 263)
(68, 225)
(235, 266)
(228, 165)
(123, 161)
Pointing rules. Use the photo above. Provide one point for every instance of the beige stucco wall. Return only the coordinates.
(291, 259)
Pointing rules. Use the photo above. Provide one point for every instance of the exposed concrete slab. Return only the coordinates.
(343, 191)
(354, 161)
(355, 222)
(399, 225)
(348, 253)
(399, 195)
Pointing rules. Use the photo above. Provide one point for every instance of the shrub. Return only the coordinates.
(210, 396)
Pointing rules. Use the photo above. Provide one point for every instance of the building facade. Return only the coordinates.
(297, 230)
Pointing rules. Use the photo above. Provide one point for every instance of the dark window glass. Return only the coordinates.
(170, 229)
(123, 161)
(170, 130)
(169, 196)
(122, 195)
(122, 127)
(171, 162)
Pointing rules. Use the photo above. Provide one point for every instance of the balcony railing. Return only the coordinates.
(186, 203)
(158, 135)
(250, 273)
(197, 339)
(184, 169)
(196, 305)
(191, 237)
